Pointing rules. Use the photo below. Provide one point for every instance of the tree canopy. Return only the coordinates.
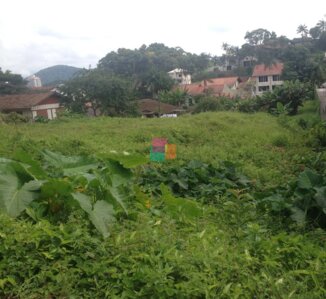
(103, 93)
(11, 83)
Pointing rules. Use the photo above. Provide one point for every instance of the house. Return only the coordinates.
(215, 86)
(231, 63)
(152, 108)
(267, 77)
(180, 76)
(31, 105)
(34, 81)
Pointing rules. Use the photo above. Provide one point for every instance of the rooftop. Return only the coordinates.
(265, 70)
(23, 101)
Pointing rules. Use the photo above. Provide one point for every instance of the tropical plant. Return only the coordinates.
(304, 199)
(100, 187)
(303, 30)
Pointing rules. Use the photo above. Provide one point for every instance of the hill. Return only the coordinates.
(57, 74)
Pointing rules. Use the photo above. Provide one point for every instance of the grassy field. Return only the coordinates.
(257, 143)
(234, 250)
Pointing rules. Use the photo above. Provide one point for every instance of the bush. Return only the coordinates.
(14, 118)
(318, 133)
(291, 95)
(211, 103)
(41, 119)
(280, 141)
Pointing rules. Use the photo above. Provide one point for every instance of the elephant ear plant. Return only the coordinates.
(100, 187)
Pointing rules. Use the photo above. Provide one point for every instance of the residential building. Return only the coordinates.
(267, 77)
(31, 105)
(216, 86)
(180, 76)
(34, 81)
(152, 108)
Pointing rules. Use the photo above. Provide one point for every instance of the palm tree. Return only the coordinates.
(321, 25)
(303, 30)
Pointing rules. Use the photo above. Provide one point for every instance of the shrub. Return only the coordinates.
(211, 103)
(14, 118)
(318, 133)
(280, 141)
(41, 119)
(291, 95)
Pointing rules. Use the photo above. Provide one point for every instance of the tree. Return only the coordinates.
(315, 32)
(259, 36)
(292, 95)
(303, 30)
(322, 25)
(174, 97)
(302, 65)
(11, 83)
(154, 82)
(103, 93)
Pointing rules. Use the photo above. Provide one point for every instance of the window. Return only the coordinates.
(247, 63)
(263, 79)
(263, 88)
(229, 68)
(276, 78)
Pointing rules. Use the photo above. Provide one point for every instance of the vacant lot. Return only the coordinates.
(234, 249)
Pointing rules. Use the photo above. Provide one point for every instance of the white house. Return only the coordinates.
(32, 105)
(34, 81)
(267, 77)
(180, 76)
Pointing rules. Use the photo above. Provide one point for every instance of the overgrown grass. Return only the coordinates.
(249, 140)
(233, 251)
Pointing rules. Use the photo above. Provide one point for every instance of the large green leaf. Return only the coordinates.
(321, 197)
(56, 187)
(70, 165)
(309, 179)
(115, 179)
(15, 195)
(101, 213)
(298, 215)
(179, 206)
(30, 165)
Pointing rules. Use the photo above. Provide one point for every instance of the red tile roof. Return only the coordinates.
(229, 81)
(264, 70)
(22, 101)
(192, 89)
(148, 106)
(215, 89)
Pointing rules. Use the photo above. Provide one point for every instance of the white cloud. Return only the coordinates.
(35, 34)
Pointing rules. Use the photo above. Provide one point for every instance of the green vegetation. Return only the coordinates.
(11, 83)
(237, 215)
(57, 74)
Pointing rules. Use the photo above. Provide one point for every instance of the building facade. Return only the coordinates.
(32, 105)
(180, 76)
(34, 81)
(267, 78)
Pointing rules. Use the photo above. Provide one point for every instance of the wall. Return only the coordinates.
(269, 83)
(322, 99)
(48, 110)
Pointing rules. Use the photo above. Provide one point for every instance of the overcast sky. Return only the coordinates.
(35, 34)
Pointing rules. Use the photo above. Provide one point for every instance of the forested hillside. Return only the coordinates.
(57, 74)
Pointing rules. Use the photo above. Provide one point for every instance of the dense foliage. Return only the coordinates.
(57, 74)
(11, 83)
(92, 223)
(101, 93)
